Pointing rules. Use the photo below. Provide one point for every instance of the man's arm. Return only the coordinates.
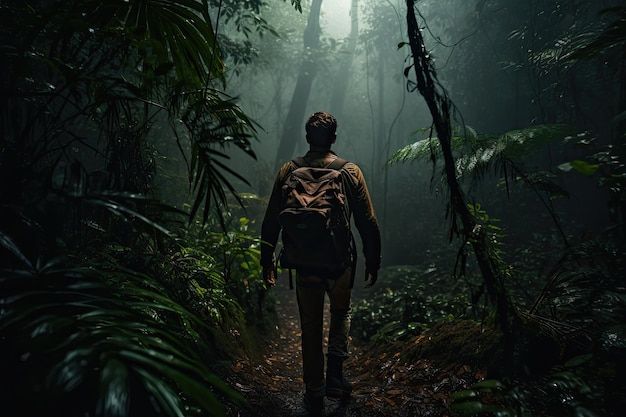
(270, 228)
(365, 221)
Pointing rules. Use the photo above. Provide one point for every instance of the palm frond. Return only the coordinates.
(177, 33)
(110, 338)
(213, 123)
(134, 207)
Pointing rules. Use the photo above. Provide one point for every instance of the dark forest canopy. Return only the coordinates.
(139, 144)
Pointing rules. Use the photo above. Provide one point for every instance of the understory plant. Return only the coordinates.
(104, 311)
(98, 338)
(577, 369)
(237, 251)
(411, 299)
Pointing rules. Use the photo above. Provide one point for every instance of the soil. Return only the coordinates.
(384, 382)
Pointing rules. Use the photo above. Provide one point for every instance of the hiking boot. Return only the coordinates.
(337, 386)
(311, 407)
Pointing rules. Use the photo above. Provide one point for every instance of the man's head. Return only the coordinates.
(321, 129)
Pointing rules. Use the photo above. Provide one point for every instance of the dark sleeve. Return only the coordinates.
(270, 228)
(364, 216)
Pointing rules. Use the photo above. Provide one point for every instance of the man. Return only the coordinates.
(312, 285)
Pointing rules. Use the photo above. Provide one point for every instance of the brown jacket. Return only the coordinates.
(359, 205)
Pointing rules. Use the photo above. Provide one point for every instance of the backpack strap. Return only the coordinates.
(337, 163)
(299, 162)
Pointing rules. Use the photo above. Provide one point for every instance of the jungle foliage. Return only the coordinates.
(110, 307)
(571, 314)
(122, 293)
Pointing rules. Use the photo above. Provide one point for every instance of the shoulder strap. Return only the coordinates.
(299, 162)
(337, 164)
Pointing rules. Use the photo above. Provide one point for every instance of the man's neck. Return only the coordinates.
(319, 149)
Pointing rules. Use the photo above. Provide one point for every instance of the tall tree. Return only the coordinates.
(345, 66)
(292, 130)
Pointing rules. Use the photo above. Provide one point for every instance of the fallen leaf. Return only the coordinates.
(440, 396)
(390, 402)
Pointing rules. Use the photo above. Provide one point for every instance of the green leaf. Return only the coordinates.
(584, 167)
(464, 395)
(480, 149)
(114, 398)
(579, 360)
(9, 244)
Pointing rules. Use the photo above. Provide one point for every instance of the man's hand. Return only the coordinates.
(269, 275)
(370, 278)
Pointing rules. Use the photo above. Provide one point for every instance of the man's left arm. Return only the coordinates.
(366, 223)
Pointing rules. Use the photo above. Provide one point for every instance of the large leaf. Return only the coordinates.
(176, 31)
(105, 343)
(477, 149)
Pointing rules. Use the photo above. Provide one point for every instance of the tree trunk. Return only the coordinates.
(293, 129)
(439, 106)
(345, 68)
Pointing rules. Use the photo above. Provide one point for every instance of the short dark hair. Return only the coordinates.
(321, 128)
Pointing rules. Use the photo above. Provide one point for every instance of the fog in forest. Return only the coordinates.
(505, 68)
(140, 143)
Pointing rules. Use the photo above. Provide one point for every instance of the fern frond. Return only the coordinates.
(425, 149)
(480, 151)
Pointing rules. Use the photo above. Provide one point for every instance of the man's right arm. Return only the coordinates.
(270, 228)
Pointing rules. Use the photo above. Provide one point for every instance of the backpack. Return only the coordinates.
(314, 218)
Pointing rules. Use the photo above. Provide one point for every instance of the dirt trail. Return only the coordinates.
(382, 384)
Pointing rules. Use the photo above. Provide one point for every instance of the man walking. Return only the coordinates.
(313, 283)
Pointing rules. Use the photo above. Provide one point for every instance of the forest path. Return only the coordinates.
(382, 384)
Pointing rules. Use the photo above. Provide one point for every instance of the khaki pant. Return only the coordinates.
(310, 291)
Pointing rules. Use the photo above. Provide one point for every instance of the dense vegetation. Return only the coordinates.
(132, 183)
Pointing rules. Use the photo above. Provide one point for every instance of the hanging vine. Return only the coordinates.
(463, 223)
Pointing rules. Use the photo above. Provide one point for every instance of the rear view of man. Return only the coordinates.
(315, 279)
